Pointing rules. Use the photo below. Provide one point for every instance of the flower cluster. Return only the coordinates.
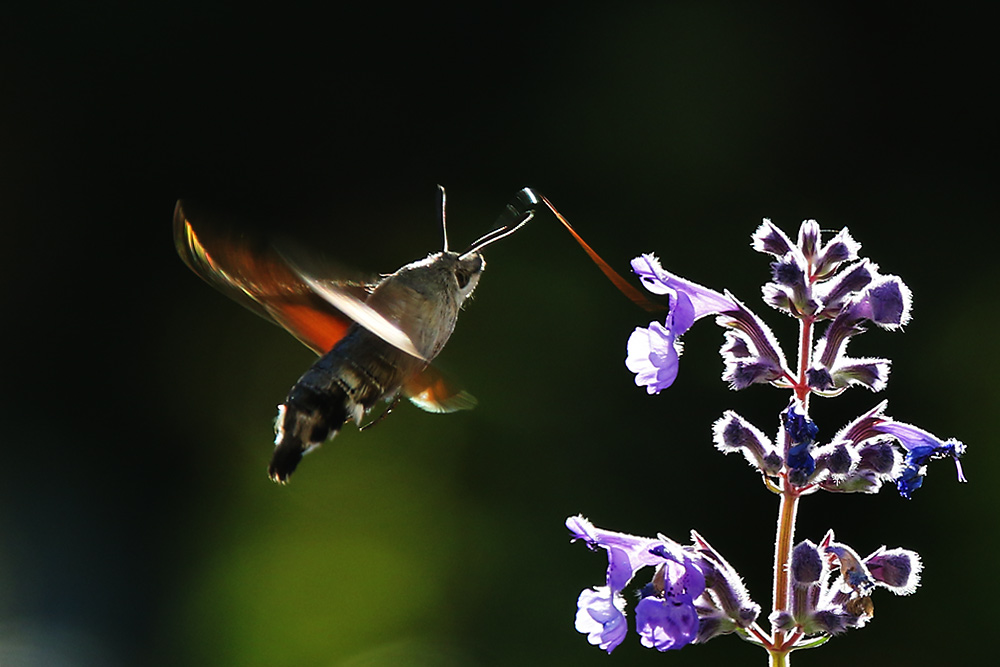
(693, 595)
(822, 589)
(832, 585)
(812, 282)
(859, 458)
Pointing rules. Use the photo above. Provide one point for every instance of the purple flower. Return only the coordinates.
(886, 301)
(870, 436)
(832, 584)
(751, 352)
(664, 623)
(841, 248)
(653, 353)
(854, 575)
(800, 432)
(772, 240)
(666, 617)
(727, 592)
(921, 447)
(895, 569)
(694, 594)
(801, 267)
(734, 433)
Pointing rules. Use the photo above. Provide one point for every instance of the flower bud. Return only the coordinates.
(836, 457)
(807, 564)
(781, 620)
(809, 238)
(733, 433)
(895, 569)
(841, 248)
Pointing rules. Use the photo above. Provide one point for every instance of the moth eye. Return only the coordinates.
(463, 278)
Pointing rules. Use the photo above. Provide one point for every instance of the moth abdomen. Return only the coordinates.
(342, 385)
(307, 418)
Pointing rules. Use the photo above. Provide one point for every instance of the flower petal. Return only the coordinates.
(666, 624)
(626, 553)
(921, 447)
(653, 357)
(601, 616)
(768, 238)
(895, 569)
(703, 301)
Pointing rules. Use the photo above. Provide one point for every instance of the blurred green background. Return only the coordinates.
(137, 525)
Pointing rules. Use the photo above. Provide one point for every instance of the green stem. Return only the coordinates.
(787, 511)
(779, 659)
(782, 553)
(805, 358)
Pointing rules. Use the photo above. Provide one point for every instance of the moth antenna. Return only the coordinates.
(444, 221)
(522, 207)
(498, 234)
(625, 287)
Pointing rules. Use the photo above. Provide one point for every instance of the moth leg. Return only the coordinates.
(383, 415)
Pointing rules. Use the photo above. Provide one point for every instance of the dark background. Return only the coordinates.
(137, 525)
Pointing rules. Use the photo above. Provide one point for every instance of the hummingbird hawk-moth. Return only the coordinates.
(375, 341)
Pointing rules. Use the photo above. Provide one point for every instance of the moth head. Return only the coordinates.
(468, 268)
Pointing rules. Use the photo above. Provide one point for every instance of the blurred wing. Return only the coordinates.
(430, 391)
(363, 314)
(262, 280)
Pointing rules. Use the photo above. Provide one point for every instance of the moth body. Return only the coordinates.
(423, 298)
(372, 345)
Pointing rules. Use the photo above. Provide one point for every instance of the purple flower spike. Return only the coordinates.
(820, 589)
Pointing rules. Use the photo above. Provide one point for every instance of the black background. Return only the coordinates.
(136, 522)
